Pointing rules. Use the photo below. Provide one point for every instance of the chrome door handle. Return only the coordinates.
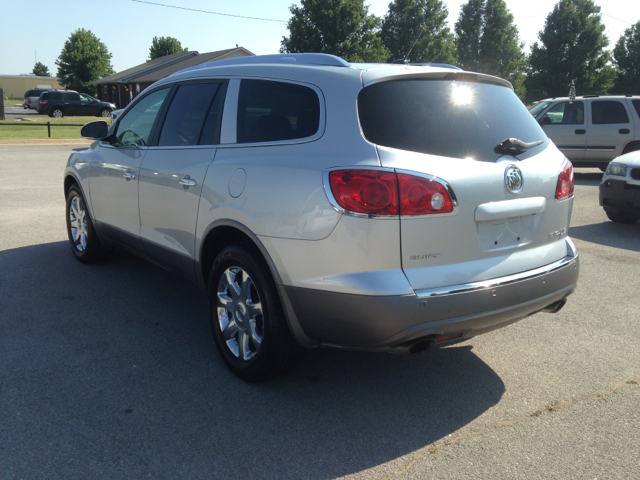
(187, 182)
(129, 175)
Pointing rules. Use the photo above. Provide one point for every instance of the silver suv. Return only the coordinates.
(326, 204)
(591, 130)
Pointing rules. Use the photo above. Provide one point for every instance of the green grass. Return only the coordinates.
(13, 102)
(38, 128)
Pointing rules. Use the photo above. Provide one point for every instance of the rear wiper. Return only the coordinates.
(511, 145)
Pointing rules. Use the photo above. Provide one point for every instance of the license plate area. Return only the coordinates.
(506, 233)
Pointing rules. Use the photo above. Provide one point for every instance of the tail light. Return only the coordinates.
(42, 102)
(565, 181)
(28, 100)
(382, 192)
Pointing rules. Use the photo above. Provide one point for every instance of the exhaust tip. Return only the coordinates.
(555, 307)
(421, 346)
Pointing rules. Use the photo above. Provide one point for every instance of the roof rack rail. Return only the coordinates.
(285, 59)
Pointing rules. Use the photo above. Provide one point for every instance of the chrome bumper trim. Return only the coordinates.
(497, 282)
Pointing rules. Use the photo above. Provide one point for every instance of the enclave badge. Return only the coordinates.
(513, 179)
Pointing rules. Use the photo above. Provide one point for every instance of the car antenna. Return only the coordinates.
(404, 60)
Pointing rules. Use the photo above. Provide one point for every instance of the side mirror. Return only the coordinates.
(95, 130)
(546, 120)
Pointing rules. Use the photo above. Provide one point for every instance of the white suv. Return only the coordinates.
(327, 204)
(591, 130)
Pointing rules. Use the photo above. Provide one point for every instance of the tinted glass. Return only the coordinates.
(636, 105)
(134, 128)
(451, 119)
(52, 96)
(72, 97)
(186, 115)
(86, 98)
(565, 113)
(272, 111)
(607, 112)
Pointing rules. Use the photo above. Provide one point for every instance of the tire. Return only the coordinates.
(105, 112)
(622, 217)
(84, 241)
(56, 113)
(247, 320)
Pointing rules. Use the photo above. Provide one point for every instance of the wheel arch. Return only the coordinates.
(632, 146)
(223, 233)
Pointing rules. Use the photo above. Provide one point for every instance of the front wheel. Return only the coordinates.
(247, 319)
(83, 239)
(105, 112)
(622, 217)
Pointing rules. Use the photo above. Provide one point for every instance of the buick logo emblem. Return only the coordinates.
(513, 179)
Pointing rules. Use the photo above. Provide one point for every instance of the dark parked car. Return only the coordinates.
(56, 103)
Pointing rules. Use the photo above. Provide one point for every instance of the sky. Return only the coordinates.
(36, 30)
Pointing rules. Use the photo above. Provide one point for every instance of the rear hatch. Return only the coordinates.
(448, 127)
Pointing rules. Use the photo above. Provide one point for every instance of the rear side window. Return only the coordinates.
(52, 96)
(450, 119)
(605, 112)
(72, 97)
(186, 117)
(270, 111)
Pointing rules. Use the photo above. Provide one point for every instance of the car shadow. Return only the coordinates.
(111, 370)
(609, 234)
(590, 177)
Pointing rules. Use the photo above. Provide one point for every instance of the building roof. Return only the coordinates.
(161, 67)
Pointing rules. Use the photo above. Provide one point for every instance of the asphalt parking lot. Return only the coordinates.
(110, 371)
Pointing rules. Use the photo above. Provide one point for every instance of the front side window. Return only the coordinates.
(605, 112)
(270, 111)
(458, 119)
(134, 128)
(86, 98)
(186, 116)
(565, 113)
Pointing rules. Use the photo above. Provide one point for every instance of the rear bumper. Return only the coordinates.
(378, 323)
(618, 195)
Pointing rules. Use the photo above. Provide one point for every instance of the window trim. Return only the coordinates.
(230, 115)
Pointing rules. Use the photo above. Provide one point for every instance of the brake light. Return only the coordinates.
(373, 192)
(28, 100)
(421, 196)
(379, 192)
(42, 102)
(565, 181)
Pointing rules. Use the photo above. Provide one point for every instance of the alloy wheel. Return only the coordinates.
(78, 223)
(240, 314)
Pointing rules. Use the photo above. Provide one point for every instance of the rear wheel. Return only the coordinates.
(247, 319)
(56, 113)
(622, 217)
(83, 239)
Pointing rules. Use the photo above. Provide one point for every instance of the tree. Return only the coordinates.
(572, 47)
(165, 46)
(41, 70)
(626, 56)
(84, 59)
(407, 20)
(488, 42)
(339, 27)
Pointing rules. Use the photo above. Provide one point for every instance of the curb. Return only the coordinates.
(48, 141)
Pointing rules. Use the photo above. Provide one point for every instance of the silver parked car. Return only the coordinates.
(591, 130)
(326, 204)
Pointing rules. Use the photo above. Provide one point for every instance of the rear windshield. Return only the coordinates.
(451, 119)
